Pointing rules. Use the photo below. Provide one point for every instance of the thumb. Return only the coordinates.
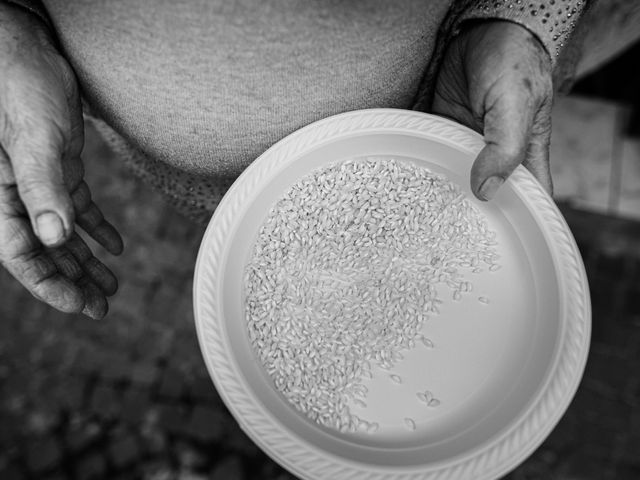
(37, 165)
(507, 124)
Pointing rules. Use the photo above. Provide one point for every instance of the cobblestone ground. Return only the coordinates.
(129, 397)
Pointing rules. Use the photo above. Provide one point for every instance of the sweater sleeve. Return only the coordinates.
(551, 21)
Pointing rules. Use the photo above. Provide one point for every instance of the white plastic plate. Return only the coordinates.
(504, 372)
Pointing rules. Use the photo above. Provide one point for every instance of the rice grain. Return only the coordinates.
(344, 273)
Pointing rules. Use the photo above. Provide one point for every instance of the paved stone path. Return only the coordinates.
(129, 397)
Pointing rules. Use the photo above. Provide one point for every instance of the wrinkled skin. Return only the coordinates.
(496, 78)
(42, 193)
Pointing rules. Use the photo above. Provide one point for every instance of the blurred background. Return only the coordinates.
(129, 397)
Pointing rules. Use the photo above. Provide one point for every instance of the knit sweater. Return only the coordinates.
(190, 93)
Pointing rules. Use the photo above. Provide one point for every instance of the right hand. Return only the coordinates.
(496, 77)
(42, 191)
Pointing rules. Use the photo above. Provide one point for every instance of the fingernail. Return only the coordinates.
(490, 186)
(50, 229)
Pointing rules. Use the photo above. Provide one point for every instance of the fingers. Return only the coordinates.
(22, 256)
(500, 83)
(69, 279)
(93, 268)
(75, 261)
(41, 189)
(507, 123)
(73, 172)
(90, 219)
(66, 263)
(516, 132)
(96, 306)
(41, 137)
(21, 252)
(537, 156)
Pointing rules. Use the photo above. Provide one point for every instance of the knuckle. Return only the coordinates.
(38, 269)
(37, 186)
(67, 264)
(81, 198)
(10, 203)
(511, 151)
(73, 172)
(542, 126)
(79, 249)
(33, 129)
(31, 269)
(91, 218)
(15, 240)
(541, 132)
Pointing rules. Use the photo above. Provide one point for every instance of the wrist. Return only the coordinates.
(497, 36)
(25, 48)
(552, 22)
(21, 27)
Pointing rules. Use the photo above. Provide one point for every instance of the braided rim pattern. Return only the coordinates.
(295, 453)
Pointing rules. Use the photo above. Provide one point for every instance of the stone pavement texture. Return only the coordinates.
(129, 397)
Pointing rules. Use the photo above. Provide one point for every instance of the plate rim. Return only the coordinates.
(295, 454)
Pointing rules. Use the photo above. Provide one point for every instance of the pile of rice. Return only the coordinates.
(345, 271)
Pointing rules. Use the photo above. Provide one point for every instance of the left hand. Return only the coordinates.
(496, 78)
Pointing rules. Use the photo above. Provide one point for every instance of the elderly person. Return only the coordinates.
(190, 93)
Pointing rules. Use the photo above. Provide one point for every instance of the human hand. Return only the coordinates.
(42, 192)
(496, 78)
